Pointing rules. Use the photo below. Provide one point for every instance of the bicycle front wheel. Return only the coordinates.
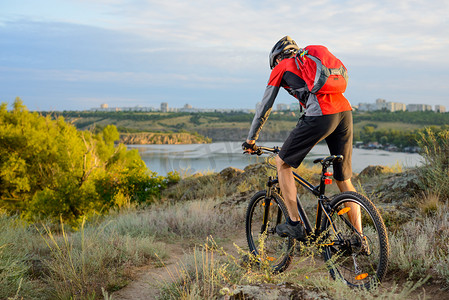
(358, 258)
(262, 216)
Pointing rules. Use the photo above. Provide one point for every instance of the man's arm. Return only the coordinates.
(262, 113)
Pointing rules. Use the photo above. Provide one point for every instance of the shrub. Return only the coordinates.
(49, 169)
(435, 150)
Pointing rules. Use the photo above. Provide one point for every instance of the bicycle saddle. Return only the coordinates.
(330, 159)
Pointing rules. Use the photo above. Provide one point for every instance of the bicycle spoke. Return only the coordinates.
(357, 258)
(262, 218)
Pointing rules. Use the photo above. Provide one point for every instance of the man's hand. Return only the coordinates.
(249, 146)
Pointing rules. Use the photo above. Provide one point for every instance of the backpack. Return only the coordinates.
(322, 71)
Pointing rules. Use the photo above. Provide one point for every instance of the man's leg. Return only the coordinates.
(288, 187)
(293, 227)
(354, 214)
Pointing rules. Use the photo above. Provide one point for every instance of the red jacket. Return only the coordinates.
(287, 75)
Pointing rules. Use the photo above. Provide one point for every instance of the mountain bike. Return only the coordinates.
(360, 259)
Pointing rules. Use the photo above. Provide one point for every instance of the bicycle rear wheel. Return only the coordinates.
(262, 217)
(360, 259)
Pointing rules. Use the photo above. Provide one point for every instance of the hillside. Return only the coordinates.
(369, 126)
(172, 250)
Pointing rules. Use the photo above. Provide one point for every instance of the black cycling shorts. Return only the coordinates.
(336, 129)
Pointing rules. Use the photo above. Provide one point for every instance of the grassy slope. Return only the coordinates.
(54, 264)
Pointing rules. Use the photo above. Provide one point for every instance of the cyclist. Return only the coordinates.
(327, 117)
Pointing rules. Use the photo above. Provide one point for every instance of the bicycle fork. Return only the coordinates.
(267, 204)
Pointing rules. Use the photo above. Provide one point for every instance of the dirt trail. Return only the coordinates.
(148, 278)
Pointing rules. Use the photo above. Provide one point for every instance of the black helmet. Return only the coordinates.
(285, 47)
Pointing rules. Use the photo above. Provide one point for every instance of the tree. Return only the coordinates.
(49, 169)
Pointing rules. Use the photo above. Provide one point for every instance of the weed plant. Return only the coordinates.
(212, 273)
(435, 150)
(190, 219)
(84, 262)
(37, 262)
(17, 243)
(421, 248)
(55, 262)
(59, 263)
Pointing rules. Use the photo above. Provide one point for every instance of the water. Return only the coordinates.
(217, 156)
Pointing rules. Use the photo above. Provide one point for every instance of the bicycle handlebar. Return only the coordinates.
(262, 149)
(329, 160)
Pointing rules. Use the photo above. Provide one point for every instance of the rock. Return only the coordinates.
(396, 187)
(256, 169)
(371, 171)
(230, 173)
(282, 291)
(241, 198)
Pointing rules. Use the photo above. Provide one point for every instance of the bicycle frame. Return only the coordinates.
(318, 191)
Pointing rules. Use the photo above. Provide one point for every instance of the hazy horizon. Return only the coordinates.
(141, 108)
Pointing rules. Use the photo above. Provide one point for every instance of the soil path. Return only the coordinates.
(148, 279)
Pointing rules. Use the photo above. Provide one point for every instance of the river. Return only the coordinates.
(217, 156)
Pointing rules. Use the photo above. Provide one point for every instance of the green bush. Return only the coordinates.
(49, 169)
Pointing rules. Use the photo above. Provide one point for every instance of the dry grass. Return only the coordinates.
(46, 264)
(79, 264)
(17, 242)
(421, 248)
(435, 172)
(209, 272)
(190, 219)
(89, 263)
(429, 203)
(84, 262)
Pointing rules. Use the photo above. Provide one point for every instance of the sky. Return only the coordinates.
(77, 54)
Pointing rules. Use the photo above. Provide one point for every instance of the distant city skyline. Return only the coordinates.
(165, 107)
(379, 104)
(75, 55)
(382, 104)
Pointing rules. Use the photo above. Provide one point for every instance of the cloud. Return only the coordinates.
(392, 27)
(104, 49)
(399, 29)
